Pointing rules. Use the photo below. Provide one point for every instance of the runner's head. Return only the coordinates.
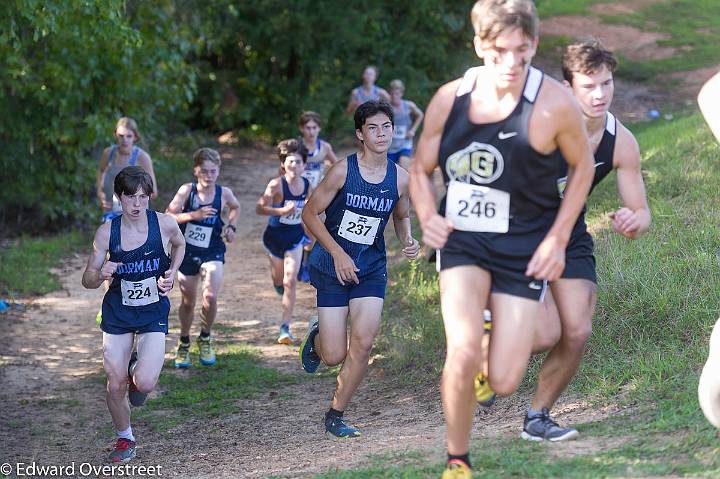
(374, 123)
(309, 124)
(370, 74)
(397, 89)
(206, 166)
(127, 134)
(588, 71)
(506, 37)
(133, 185)
(293, 155)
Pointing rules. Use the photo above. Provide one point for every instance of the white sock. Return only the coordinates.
(126, 434)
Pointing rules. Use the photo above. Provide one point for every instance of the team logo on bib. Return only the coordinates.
(478, 162)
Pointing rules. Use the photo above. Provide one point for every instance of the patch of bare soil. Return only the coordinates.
(690, 82)
(624, 8)
(54, 409)
(633, 43)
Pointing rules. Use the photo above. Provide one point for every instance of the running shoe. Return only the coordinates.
(123, 450)
(483, 392)
(308, 357)
(304, 273)
(135, 397)
(543, 428)
(279, 289)
(207, 352)
(182, 355)
(285, 337)
(456, 469)
(98, 317)
(337, 427)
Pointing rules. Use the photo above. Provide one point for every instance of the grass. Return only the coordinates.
(25, 262)
(210, 392)
(658, 300)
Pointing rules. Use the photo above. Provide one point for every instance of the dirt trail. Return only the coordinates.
(53, 388)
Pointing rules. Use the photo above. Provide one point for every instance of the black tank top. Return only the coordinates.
(498, 155)
(604, 156)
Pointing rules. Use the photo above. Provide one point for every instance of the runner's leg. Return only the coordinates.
(116, 356)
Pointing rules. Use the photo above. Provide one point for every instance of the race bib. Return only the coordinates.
(294, 218)
(400, 132)
(197, 235)
(313, 176)
(139, 293)
(358, 228)
(477, 208)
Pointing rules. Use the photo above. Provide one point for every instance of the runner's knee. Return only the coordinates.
(333, 356)
(505, 385)
(289, 280)
(144, 382)
(463, 361)
(577, 334)
(210, 298)
(116, 385)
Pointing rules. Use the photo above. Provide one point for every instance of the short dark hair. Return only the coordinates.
(586, 57)
(130, 179)
(290, 147)
(370, 108)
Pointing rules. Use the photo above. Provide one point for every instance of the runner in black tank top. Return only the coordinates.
(501, 229)
(136, 306)
(565, 323)
(198, 208)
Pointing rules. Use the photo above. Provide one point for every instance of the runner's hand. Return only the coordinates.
(345, 268)
(548, 261)
(412, 249)
(165, 282)
(410, 135)
(288, 208)
(229, 234)
(625, 222)
(108, 269)
(436, 231)
(204, 212)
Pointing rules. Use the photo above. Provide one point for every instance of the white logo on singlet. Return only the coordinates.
(599, 163)
(384, 191)
(478, 162)
(148, 252)
(504, 136)
(534, 285)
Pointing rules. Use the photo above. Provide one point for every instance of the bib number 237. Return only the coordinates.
(358, 228)
(478, 208)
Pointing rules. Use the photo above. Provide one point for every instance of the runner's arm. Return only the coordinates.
(102, 166)
(93, 275)
(175, 207)
(145, 162)
(548, 261)
(353, 103)
(435, 228)
(384, 95)
(328, 188)
(171, 230)
(330, 158)
(418, 114)
(707, 100)
(401, 219)
(633, 219)
(264, 203)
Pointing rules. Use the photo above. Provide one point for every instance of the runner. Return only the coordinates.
(116, 157)
(709, 388)
(348, 264)
(198, 207)
(367, 91)
(588, 72)
(136, 305)
(405, 127)
(494, 133)
(283, 201)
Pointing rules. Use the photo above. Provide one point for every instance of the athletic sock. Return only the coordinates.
(531, 413)
(126, 434)
(287, 325)
(185, 339)
(204, 335)
(461, 457)
(333, 413)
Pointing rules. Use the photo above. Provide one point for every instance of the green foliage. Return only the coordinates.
(260, 74)
(71, 69)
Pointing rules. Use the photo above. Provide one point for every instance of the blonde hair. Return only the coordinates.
(206, 154)
(491, 17)
(308, 116)
(131, 125)
(397, 85)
